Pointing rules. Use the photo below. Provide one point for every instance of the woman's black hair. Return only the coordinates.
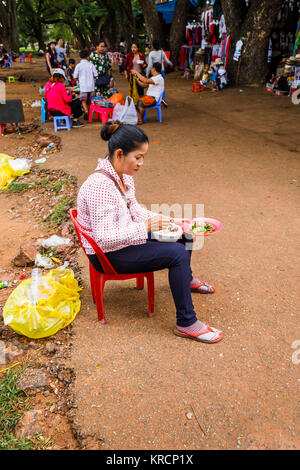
(133, 42)
(156, 45)
(49, 46)
(100, 42)
(126, 137)
(71, 61)
(157, 67)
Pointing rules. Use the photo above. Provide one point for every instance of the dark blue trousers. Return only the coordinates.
(155, 256)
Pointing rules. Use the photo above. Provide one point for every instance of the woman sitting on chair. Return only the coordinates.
(155, 84)
(60, 102)
(110, 214)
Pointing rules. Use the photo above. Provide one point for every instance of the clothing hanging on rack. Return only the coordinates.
(214, 32)
(216, 51)
(238, 50)
(222, 26)
(187, 54)
(269, 51)
(225, 50)
(206, 19)
(193, 33)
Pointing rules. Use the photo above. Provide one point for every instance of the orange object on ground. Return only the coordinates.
(109, 274)
(29, 57)
(197, 87)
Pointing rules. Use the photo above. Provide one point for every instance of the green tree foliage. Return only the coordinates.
(86, 20)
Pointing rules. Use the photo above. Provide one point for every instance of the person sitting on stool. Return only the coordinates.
(60, 102)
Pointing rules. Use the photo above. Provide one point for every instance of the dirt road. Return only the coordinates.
(236, 152)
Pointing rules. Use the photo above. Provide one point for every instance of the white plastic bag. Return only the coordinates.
(118, 112)
(36, 104)
(43, 261)
(126, 113)
(20, 164)
(55, 241)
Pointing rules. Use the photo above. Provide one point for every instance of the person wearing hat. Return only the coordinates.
(51, 58)
(219, 75)
(221, 80)
(59, 101)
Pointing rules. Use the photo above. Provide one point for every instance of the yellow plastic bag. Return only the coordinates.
(38, 308)
(7, 173)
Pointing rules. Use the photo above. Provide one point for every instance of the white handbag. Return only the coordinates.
(126, 113)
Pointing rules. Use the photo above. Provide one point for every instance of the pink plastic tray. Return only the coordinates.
(186, 226)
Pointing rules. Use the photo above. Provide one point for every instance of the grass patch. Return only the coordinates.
(17, 187)
(13, 403)
(34, 52)
(59, 214)
(56, 187)
(42, 182)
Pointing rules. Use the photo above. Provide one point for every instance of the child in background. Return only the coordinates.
(219, 76)
(86, 73)
(70, 73)
(205, 76)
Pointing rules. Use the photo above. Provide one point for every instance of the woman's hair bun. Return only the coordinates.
(109, 129)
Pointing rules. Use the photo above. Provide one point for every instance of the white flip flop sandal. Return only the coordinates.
(207, 335)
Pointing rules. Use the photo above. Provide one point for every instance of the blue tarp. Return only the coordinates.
(167, 9)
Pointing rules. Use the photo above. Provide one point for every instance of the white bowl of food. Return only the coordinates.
(171, 233)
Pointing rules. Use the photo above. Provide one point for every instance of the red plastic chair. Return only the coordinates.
(98, 279)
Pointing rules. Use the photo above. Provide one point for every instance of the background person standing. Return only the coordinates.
(103, 66)
(157, 55)
(61, 53)
(135, 60)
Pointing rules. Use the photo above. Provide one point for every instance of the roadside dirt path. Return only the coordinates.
(238, 154)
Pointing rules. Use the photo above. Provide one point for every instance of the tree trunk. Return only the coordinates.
(254, 26)
(109, 32)
(128, 26)
(9, 30)
(178, 28)
(80, 37)
(153, 25)
(113, 26)
(40, 38)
